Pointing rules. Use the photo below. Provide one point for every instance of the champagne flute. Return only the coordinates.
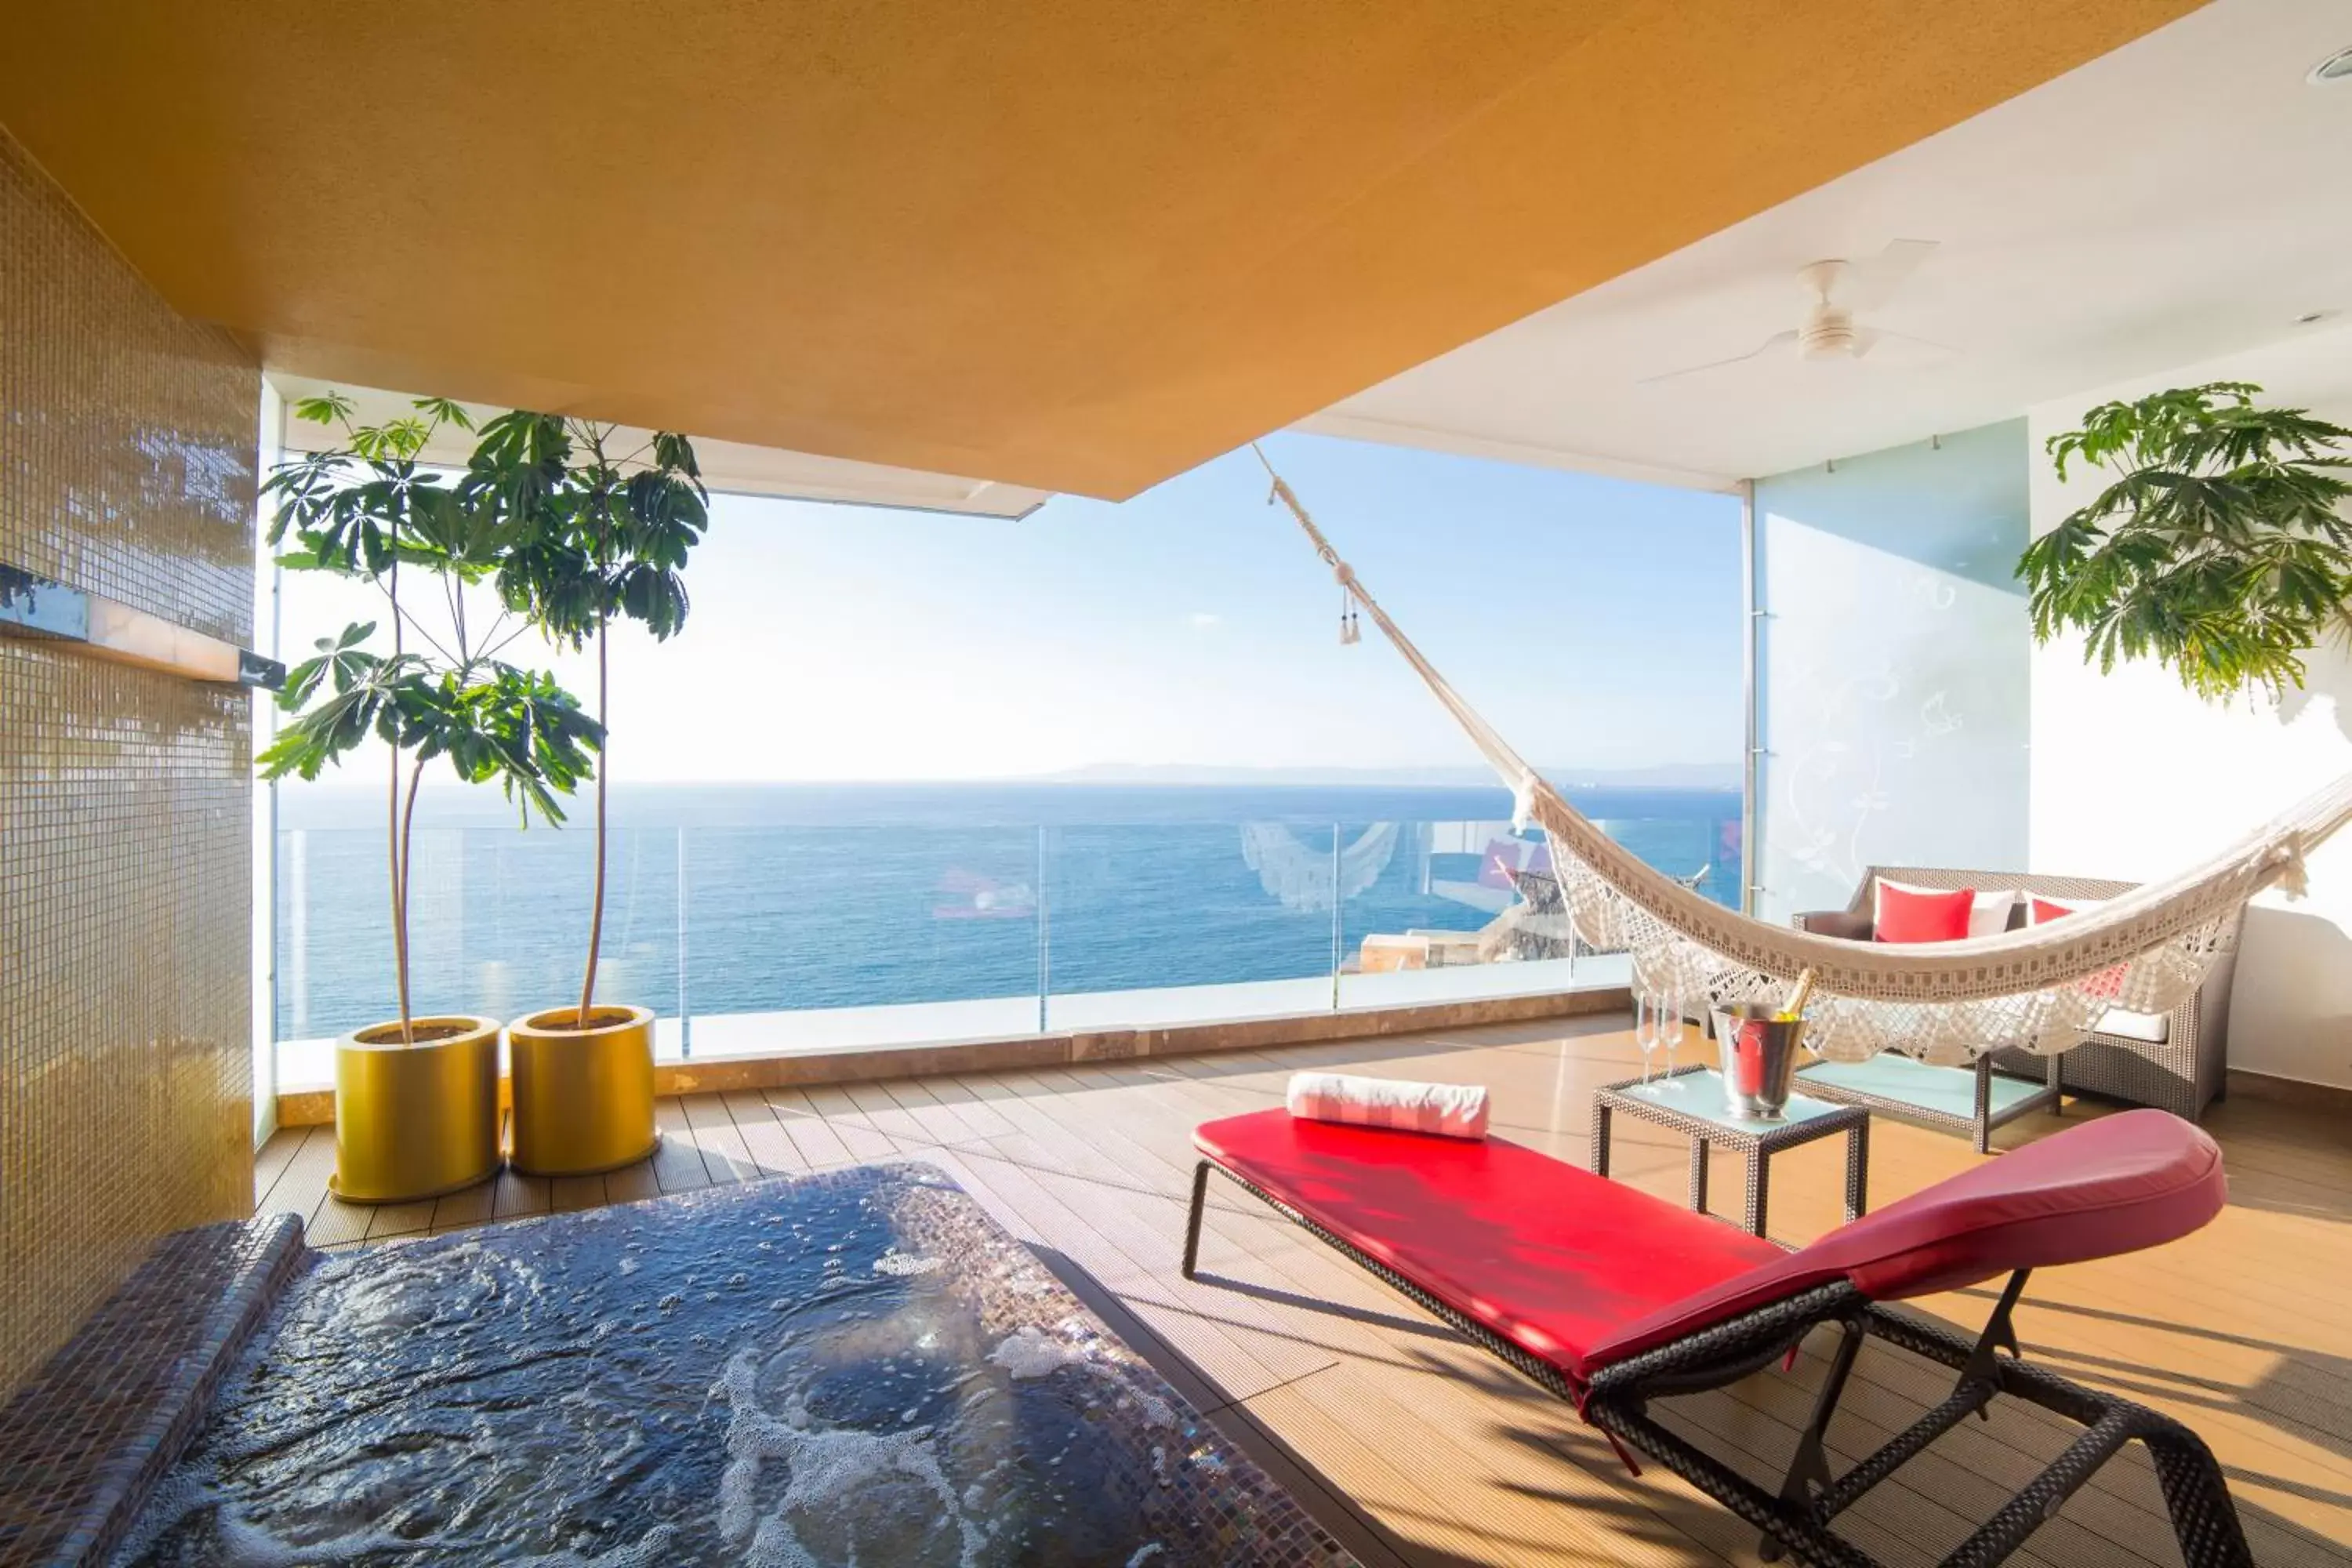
(1646, 1028)
(1670, 1026)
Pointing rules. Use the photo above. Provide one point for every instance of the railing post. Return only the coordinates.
(1045, 939)
(1752, 660)
(1336, 940)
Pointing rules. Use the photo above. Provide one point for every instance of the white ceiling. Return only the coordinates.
(726, 466)
(2187, 196)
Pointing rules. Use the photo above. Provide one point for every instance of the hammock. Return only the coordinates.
(2044, 987)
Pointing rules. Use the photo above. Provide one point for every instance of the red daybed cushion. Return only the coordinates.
(1584, 1271)
(1546, 1254)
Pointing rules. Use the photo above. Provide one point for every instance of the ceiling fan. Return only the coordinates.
(1839, 290)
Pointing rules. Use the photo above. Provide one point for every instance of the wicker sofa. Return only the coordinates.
(2176, 1062)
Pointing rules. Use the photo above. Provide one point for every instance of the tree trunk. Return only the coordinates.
(393, 847)
(603, 759)
(406, 858)
(399, 904)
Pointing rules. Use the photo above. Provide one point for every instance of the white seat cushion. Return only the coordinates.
(2155, 1028)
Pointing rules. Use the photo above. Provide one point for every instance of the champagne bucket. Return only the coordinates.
(1758, 1049)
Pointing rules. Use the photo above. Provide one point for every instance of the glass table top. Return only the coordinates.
(1699, 1094)
(1945, 1091)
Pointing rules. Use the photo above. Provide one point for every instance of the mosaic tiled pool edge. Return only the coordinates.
(83, 1442)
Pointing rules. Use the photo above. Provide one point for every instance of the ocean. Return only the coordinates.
(763, 898)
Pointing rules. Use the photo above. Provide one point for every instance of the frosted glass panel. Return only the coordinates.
(1892, 675)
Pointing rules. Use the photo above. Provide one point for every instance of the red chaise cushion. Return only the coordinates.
(1584, 1271)
(1546, 1254)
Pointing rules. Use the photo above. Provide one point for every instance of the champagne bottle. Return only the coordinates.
(1800, 993)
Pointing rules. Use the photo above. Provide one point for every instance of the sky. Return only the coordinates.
(1595, 622)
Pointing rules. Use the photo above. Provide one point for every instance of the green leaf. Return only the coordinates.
(324, 409)
(674, 453)
(442, 411)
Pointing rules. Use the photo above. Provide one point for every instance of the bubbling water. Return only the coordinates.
(852, 1368)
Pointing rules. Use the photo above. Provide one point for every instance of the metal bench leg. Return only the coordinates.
(1809, 1469)
(2204, 1518)
(1192, 1220)
(1857, 1170)
(1982, 1138)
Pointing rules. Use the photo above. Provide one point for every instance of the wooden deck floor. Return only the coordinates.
(1417, 1450)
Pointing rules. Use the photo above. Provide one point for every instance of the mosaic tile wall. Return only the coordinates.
(127, 440)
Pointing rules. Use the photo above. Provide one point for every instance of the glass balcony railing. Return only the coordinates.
(758, 937)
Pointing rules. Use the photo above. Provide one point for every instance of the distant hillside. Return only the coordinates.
(1665, 776)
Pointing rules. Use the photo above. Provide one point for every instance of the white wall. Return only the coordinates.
(1892, 671)
(2133, 777)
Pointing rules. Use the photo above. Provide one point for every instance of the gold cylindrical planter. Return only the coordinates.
(416, 1120)
(584, 1098)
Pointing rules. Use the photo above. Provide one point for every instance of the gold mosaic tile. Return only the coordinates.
(127, 439)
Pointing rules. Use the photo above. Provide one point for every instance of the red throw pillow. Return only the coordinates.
(1907, 916)
(2106, 982)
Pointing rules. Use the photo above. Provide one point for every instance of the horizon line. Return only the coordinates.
(1337, 778)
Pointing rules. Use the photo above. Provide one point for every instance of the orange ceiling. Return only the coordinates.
(1072, 244)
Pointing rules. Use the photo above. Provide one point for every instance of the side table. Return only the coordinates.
(1691, 1102)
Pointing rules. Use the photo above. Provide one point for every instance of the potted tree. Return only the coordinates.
(2221, 549)
(596, 535)
(416, 1098)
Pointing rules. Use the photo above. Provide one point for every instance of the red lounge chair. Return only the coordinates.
(1610, 1297)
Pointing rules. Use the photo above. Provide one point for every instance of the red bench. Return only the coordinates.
(1610, 1297)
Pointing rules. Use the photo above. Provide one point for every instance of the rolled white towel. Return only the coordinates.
(1450, 1111)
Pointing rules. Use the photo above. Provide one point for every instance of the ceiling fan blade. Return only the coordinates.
(1875, 280)
(1778, 339)
(1884, 347)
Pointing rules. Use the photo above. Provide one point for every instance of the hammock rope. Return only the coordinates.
(2044, 986)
